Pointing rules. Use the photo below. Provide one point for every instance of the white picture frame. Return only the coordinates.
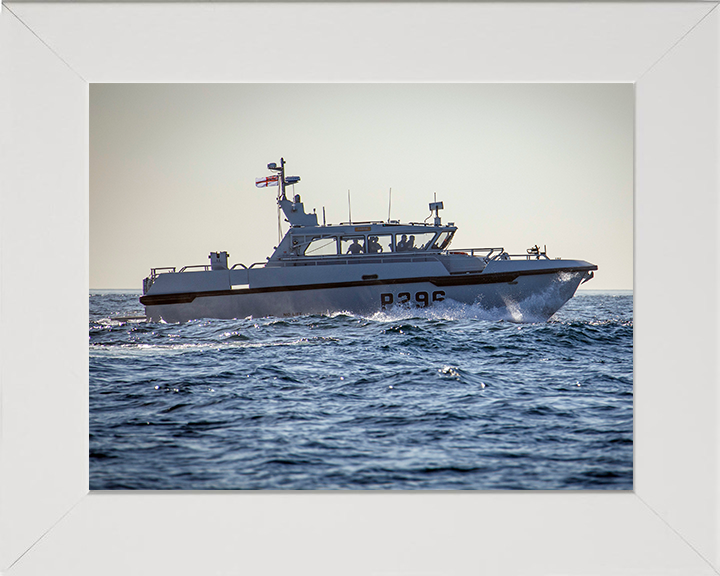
(50, 523)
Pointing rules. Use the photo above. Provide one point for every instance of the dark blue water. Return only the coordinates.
(443, 398)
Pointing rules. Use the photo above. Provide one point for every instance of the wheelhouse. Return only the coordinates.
(360, 240)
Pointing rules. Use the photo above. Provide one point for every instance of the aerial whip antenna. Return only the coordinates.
(349, 209)
(389, 204)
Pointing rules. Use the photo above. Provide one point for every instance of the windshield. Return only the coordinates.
(412, 242)
(321, 246)
(442, 241)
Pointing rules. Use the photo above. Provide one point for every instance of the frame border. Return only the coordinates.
(668, 525)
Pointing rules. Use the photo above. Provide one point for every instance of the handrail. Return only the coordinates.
(154, 270)
(203, 266)
(364, 222)
(497, 253)
(154, 273)
(486, 252)
(530, 256)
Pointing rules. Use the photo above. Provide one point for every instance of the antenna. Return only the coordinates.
(349, 209)
(435, 206)
(389, 204)
(324, 216)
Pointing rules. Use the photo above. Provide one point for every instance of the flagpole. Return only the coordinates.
(279, 181)
(281, 196)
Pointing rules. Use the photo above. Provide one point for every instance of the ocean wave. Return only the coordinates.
(448, 397)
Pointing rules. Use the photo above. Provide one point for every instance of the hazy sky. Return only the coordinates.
(173, 168)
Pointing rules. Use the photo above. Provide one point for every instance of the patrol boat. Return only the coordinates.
(363, 268)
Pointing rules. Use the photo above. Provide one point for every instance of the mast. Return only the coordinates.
(282, 178)
(281, 191)
(294, 210)
(281, 184)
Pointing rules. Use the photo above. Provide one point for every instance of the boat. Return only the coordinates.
(363, 268)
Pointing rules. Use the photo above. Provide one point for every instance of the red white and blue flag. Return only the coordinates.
(267, 181)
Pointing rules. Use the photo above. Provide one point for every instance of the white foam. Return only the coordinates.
(446, 310)
(532, 309)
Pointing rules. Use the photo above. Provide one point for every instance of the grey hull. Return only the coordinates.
(525, 298)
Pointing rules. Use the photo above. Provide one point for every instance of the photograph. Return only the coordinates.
(372, 286)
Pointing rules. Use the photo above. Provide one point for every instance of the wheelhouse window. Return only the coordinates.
(442, 241)
(321, 246)
(352, 245)
(379, 243)
(412, 242)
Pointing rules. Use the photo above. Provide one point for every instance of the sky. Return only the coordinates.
(173, 168)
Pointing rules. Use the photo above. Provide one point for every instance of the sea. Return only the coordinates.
(450, 397)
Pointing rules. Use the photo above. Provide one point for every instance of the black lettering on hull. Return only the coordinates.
(421, 300)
